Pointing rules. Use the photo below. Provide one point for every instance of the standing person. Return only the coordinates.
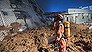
(58, 24)
(59, 31)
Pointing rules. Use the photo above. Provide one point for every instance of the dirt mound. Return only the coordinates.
(15, 26)
(28, 41)
(36, 40)
(80, 40)
(3, 28)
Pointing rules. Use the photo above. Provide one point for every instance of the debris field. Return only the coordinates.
(36, 40)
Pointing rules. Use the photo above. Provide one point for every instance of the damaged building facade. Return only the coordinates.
(79, 16)
(26, 12)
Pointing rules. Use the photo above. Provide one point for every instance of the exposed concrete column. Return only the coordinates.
(2, 18)
(89, 16)
(74, 18)
(64, 17)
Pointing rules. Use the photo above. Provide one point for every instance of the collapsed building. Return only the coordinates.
(26, 12)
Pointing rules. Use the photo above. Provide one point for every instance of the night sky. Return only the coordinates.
(62, 5)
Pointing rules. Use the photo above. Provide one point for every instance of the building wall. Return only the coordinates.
(1, 22)
(74, 10)
(80, 15)
(68, 18)
(16, 11)
(6, 12)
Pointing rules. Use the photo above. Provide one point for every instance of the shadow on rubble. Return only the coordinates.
(85, 45)
(43, 49)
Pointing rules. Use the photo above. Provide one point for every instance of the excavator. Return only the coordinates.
(62, 33)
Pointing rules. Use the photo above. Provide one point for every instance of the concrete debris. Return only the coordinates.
(3, 28)
(22, 28)
(36, 40)
(15, 26)
(3, 34)
(9, 31)
(90, 27)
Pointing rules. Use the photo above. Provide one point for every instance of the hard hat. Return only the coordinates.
(60, 16)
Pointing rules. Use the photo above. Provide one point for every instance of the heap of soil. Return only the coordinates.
(15, 26)
(36, 40)
(3, 28)
(80, 40)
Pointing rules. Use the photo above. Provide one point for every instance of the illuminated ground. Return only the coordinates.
(35, 40)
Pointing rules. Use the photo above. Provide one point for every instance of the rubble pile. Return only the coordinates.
(36, 40)
(9, 30)
(3, 28)
(15, 26)
(80, 40)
